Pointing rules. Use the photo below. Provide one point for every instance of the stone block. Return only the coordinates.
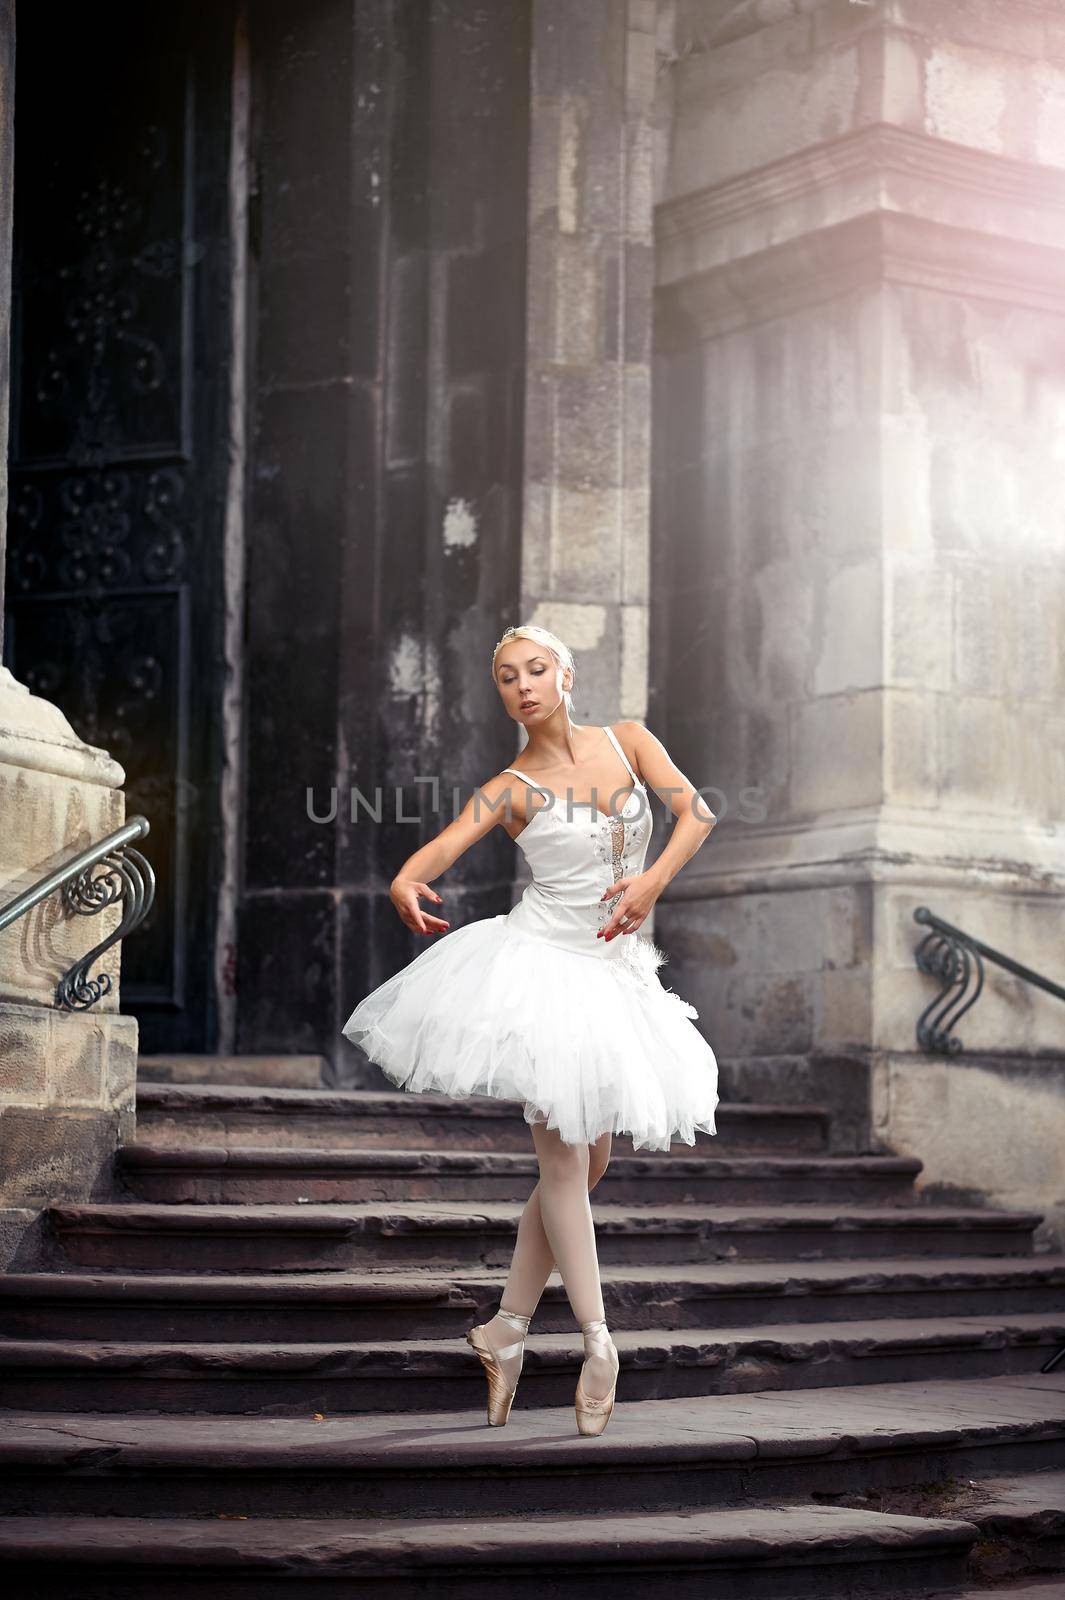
(749, 103)
(851, 633)
(980, 640)
(751, 759)
(638, 300)
(639, 177)
(573, 46)
(966, 94)
(23, 1059)
(850, 499)
(634, 552)
(589, 413)
(635, 430)
(911, 774)
(902, 89)
(304, 89)
(54, 1154)
(845, 1010)
(304, 348)
(1037, 754)
(539, 426)
(749, 1014)
(836, 752)
(585, 537)
(642, 16)
(407, 333)
(987, 24)
(847, 927)
(290, 941)
(480, 309)
(537, 525)
(632, 691)
(77, 1062)
(919, 624)
(788, 610)
(976, 740)
(904, 486)
(1055, 38)
(1034, 599)
(1047, 103)
(574, 278)
(991, 1126)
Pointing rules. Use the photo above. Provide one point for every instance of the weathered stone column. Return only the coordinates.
(66, 1078)
(585, 548)
(859, 525)
(390, 150)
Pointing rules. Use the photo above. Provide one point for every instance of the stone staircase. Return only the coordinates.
(248, 1376)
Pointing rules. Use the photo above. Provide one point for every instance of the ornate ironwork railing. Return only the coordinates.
(127, 877)
(957, 959)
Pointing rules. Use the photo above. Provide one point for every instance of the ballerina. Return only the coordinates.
(556, 1004)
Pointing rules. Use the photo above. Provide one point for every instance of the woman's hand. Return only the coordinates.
(638, 895)
(405, 893)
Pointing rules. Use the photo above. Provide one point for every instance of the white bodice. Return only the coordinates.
(574, 853)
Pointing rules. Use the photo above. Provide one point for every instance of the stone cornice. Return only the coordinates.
(879, 247)
(899, 847)
(873, 151)
(34, 734)
(753, 16)
(881, 205)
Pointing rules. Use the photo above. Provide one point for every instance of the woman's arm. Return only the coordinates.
(693, 825)
(695, 821)
(484, 810)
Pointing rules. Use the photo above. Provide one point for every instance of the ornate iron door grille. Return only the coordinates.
(118, 438)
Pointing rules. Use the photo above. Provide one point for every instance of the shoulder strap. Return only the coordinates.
(611, 735)
(524, 779)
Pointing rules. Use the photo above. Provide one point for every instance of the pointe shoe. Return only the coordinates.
(500, 1392)
(593, 1414)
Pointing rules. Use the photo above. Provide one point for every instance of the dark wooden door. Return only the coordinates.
(118, 451)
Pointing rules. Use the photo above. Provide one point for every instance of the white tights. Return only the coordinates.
(556, 1229)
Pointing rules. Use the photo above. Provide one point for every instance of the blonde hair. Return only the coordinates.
(561, 652)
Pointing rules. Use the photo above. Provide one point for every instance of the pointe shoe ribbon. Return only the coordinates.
(593, 1413)
(500, 1392)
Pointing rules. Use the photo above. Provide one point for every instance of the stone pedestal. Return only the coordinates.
(861, 406)
(67, 1078)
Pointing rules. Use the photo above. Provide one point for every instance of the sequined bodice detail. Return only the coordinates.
(575, 852)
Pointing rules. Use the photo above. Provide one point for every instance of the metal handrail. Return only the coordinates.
(951, 954)
(957, 959)
(129, 878)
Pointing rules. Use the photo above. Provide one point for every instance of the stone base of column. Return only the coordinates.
(67, 1078)
(989, 1128)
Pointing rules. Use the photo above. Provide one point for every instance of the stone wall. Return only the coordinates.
(389, 143)
(585, 544)
(860, 399)
(66, 1078)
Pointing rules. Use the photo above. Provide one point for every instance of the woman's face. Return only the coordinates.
(529, 679)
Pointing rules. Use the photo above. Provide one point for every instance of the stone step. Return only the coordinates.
(1021, 1519)
(656, 1455)
(414, 1304)
(1021, 1522)
(435, 1374)
(200, 1238)
(269, 1071)
(1024, 1589)
(751, 1554)
(181, 1114)
(216, 1175)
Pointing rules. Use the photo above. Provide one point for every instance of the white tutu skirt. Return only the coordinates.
(585, 1043)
